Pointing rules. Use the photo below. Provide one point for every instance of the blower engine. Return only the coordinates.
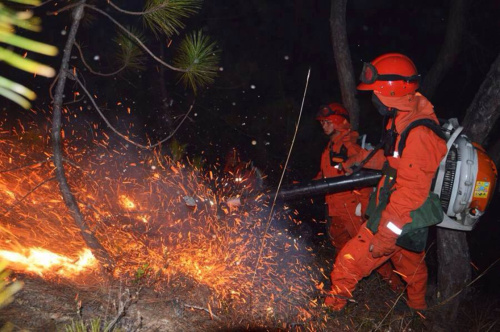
(465, 180)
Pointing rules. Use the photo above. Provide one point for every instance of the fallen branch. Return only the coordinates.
(212, 315)
(122, 308)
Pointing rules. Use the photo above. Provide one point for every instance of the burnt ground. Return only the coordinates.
(50, 306)
(182, 306)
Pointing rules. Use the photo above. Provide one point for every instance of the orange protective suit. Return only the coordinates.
(415, 171)
(346, 209)
(345, 222)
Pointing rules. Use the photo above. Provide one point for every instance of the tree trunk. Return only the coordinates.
(452, 248)
(453, 252)
(449, 50)
(484, 111)
(343, 61)
(454, 270)
(99, 252)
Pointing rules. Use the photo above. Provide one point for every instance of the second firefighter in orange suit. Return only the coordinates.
(403, 190)
(345, 209)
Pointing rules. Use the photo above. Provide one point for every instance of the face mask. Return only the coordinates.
(381, 108)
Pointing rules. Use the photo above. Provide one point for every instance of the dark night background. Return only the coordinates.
(266, 50)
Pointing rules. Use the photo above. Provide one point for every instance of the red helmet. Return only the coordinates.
(335, 113)
(391, 75)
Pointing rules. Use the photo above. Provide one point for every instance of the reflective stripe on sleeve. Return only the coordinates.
(357, 212)
(395, 229)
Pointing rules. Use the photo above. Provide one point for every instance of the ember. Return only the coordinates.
(133, 202)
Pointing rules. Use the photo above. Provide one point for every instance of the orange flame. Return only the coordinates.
(40, 261)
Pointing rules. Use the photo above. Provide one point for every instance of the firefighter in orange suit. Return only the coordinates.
(395, 230)
(345, 209)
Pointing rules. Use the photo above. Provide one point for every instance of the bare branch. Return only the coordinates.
(152, 10)
(68, 7)
(92, 70)
(271, 212)
(137, 40)
(29, 193)
(25, 166)
(122, 135)
(51, 87)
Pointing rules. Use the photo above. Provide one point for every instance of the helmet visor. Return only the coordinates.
(326, 111)
(369, 75)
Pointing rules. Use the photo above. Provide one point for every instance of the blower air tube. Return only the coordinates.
(361, 179)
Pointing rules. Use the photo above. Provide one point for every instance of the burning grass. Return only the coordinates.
(134, 203)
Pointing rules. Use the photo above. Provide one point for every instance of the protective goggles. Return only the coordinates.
(369, 75)
(326, 111)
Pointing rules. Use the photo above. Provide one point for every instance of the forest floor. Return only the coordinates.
(57, 306)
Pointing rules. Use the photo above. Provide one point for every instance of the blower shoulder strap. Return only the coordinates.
(422, 122)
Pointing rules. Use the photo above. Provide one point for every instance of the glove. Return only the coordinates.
(350, 164)
(383, 242)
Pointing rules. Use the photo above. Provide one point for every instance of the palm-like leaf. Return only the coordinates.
(198, 55)
(27, 2)
(22, 63)
(28, 44)
(9, 19)
(165, 16)
(24, 19)
(7, 290)
(16, 92)
(130, 54)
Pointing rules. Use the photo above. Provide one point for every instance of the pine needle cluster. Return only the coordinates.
(129, 53)
(198, 55)
(165, 16)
